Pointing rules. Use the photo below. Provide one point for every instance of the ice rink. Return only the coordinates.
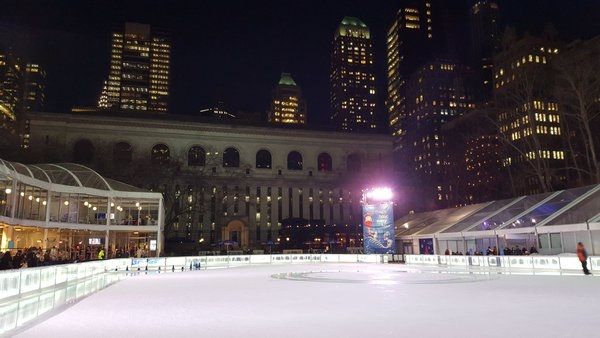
(333, 300)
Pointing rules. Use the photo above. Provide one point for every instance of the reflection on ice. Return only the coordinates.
(411, 275)
(395, 277)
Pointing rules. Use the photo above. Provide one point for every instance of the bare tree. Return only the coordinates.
(515, 113)
(189, 192)
(578, 92)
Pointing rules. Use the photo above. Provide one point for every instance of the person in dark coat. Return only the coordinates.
(31, 258)
(6, 261)
(17, 260)
(582, 255)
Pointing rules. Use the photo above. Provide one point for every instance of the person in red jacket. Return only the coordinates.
(582, 255)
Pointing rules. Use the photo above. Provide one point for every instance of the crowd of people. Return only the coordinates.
(36, 256)
(493, 251)
(33, 257)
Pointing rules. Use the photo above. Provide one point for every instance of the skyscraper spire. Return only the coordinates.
(287, 105)
(352, 77)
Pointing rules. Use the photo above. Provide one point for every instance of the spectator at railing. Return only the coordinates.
(35, 256)
(6, 261)
(121, 253)
(31, 258)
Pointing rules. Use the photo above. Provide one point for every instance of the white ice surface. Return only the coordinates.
(337, 300)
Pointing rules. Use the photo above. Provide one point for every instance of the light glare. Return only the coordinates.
(380, 194)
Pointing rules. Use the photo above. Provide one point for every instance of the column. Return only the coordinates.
(305, 203)
(285, 205)
(45, 240)
(161, 228)
(296, 202)
(252, 223)
(336, 207)
(106, 238)
(48, 204)
(15, 193)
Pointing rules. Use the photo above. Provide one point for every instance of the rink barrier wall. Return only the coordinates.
(535, 262)
(14, 283)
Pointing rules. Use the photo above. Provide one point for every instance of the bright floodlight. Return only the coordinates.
(380, 194)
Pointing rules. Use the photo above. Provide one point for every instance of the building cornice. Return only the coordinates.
(177, 127)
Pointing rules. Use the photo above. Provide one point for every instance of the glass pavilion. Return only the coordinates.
(71, 207)
(553, 223)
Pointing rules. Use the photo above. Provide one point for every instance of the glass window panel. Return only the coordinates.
(59, 175)
(550, 207)
(479, 215)
(435, 216)
(453, 217)
(120, 186)
(6, 196)
(581, 212)
(38, 173)
(543, 241)
(410, 221)
(507, 214)
(555, 242)
(21, 169)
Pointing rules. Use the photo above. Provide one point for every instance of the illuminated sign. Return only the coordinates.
(94, 241)
(378, 228)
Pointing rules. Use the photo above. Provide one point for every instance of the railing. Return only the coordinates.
(14, 283)
(17, 282)
(535, 262)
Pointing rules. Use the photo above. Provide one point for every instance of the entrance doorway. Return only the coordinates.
(236, 231)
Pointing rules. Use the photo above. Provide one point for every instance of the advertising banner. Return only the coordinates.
(378, 228)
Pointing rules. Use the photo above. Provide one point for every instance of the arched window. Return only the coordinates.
(83, 151)
(324, 162)
(353, 163)
(122, 153)
(294, 161)
(263, 159)
(196, 157)
(160, 154)
(231, 158)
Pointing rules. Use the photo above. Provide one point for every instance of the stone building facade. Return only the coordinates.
(252, 182)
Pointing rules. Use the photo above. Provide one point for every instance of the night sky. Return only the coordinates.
(236, 50)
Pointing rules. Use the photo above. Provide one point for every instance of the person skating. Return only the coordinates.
(582, 255)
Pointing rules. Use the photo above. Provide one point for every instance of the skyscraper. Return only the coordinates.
(139, 70)
(11, 86)
(10, 90)
(410, 41)
(529, 118)
(22, 89)
(352, 78)
(435, 94)
(287, 104)
(34, 96)
(484, 41)
(34, 87)
(476, 173)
